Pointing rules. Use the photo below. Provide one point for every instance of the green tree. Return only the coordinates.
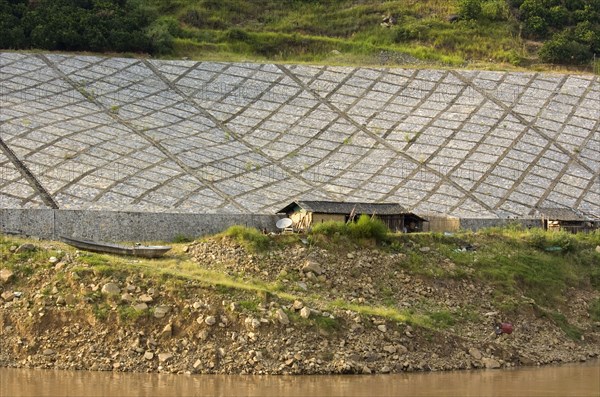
(564, 48)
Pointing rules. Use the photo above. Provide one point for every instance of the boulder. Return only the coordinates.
(312, 266)
(475, 353)
(6, 275)
(210, 320)
(140, 307)
(305, 312)
(167, 330)
(26, 248)
(161, 311)
(111, 289)
(490, 363)
(282, 317)
(8, 296)
(164, 357)
(145, 298)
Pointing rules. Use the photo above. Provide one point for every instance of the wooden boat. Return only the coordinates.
(145, 251)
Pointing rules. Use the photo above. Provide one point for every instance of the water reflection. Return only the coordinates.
(567, 380)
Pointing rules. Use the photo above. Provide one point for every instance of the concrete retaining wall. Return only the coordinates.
(123, 226)
(163, 226)
(480, 223)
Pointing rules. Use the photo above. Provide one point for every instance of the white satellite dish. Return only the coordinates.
(284, 223)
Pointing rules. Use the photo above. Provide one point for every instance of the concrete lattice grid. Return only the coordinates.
(87, 132)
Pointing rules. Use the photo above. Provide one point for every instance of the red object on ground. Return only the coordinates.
(506, 328)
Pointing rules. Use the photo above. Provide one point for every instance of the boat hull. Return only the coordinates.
(144, 251)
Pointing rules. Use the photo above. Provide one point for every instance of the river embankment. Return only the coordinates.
(302, 305)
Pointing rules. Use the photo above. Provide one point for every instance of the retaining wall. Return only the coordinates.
(166, 226)
(123, 226)
(480, 223)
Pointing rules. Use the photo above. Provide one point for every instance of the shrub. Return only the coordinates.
(543, 240)
(330, 228)
(563, 48)
(469, 9)
(369, 227)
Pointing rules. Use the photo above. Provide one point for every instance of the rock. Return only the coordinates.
(453, 18)
(148, 355)
(252, 323)
(145, 298)
(167, 330)
(335, 52)
(61, 301)
(382, 327)
(302, 285)
(196, 305)
(49, 352)
(350, 255)
(164, 357)
(490, 363)
(140, 307)
(25, 248)
(425, 249)
(390, 349)
(59, 266)
(111, 289)
(297, 305)
(234, 306)
(197, 364)
(6, 275)
(282, 317)
(305, 312)
(127, 297)
(8, 296)
(598, 249)
(210, 320)
(312, 266)
(161, 311)
(53, 260)
(385, 369)
(475, 353)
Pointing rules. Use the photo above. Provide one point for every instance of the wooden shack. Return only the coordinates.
(305, 214)
(564, 219)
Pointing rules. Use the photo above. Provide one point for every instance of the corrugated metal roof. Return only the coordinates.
(337, 207)
(560, 214)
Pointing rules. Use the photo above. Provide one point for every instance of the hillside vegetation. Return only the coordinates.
(485, 33)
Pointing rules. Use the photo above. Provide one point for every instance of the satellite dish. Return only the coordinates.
(284, 222)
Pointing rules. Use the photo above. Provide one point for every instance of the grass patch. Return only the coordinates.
(366, 228)
(251, 238)
(129, 314)
(559, 319)
(325, 324)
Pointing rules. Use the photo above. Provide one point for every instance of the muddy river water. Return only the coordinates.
(565, 380)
